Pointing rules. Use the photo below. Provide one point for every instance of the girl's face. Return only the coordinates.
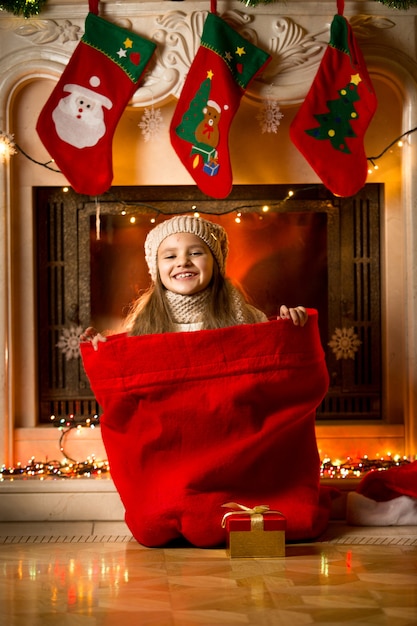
(185, 263)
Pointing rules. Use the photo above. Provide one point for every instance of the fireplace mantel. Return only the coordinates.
(33, 54)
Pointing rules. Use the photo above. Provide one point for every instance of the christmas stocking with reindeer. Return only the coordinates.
(329, 127)
(218, 77)
(78, 121)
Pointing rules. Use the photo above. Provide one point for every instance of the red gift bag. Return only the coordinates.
(194, 420)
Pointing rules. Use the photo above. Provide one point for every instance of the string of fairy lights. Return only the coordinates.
(356, 468)
(9, 147)
(68, 467)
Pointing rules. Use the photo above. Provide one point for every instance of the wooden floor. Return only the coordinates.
(86, 574)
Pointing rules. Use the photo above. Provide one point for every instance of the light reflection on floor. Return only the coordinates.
(78, 582)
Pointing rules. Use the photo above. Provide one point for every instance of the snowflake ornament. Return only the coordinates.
(151, 123)
(69, 342)
(344, 343)
(269, 116)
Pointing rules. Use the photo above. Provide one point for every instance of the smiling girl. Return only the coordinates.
(195, 420)
(186, 257)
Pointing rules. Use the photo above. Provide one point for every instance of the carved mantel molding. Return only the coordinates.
(296, 45)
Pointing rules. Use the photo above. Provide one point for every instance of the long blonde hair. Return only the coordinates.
(150, 314)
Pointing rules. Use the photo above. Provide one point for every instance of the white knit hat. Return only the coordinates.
(212, 234)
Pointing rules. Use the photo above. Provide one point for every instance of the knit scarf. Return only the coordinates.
(189, 309)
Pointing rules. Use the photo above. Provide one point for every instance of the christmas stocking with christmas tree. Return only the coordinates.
(329, 127)
(224, 65)
(78, 121)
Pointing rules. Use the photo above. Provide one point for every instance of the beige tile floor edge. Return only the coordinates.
(94, 574)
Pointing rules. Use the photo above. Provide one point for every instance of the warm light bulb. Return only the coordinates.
(7, 146)
(400, 144)
(265, 208)
(132, 220)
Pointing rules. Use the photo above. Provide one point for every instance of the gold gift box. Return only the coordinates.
(253, 534)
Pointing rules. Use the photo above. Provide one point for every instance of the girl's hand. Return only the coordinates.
(298, 315)
(93, 336)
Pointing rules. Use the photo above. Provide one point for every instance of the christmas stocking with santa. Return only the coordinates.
(330, 125)
(218, 77)
(78, 121)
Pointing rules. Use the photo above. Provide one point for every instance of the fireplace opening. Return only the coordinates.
(309, 248)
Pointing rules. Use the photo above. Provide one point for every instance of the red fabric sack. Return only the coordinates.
(194, 420)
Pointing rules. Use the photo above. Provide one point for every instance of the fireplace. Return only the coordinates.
(309, 248)
(257, 159)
